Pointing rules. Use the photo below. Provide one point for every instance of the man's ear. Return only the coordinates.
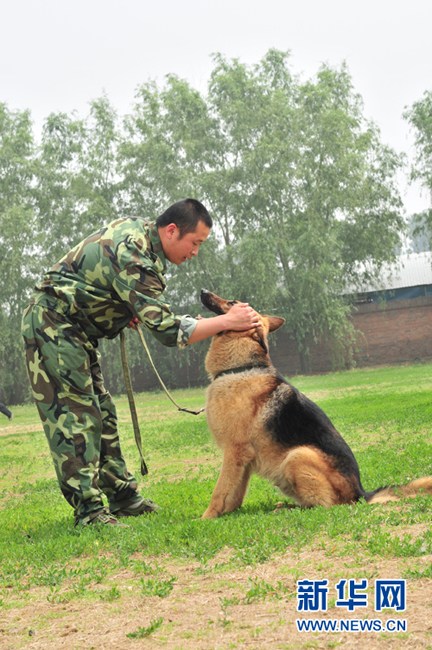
(275, 322)
(170, 230)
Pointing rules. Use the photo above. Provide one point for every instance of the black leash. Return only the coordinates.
(131, 400)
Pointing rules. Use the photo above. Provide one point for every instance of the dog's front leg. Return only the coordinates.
(232, 482)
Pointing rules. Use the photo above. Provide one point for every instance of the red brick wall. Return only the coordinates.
(389, 332)
(395, 331)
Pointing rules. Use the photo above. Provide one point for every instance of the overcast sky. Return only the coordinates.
(57, 55)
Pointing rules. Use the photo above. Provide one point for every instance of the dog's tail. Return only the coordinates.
(396, 492)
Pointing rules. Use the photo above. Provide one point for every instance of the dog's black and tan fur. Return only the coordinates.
(265, 425)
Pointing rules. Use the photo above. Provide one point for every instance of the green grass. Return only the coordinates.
(143, 632)
(385, 414)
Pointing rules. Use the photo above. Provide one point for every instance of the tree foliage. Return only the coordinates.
(18, 255)
(301, 188)
(420, 118)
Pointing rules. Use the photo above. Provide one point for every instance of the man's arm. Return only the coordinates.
(240, 317)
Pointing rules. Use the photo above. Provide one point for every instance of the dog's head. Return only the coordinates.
(215, 303)
(243, 346)
(219, 306)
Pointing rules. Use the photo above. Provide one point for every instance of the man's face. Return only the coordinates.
(179, 249)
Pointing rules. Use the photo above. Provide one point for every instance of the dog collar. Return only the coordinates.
(232, 371)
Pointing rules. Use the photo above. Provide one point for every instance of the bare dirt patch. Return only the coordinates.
(219, 606)
(19, 429)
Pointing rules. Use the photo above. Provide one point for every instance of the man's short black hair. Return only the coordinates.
(185, 214)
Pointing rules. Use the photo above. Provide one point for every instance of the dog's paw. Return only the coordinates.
(209, 514)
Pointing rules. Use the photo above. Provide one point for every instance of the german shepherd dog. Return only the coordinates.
(265, 425)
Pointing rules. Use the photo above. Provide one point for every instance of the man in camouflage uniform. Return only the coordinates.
(111, 277)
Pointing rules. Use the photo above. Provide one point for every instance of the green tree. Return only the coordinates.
(420, 118)
(98, 184)
(302, 190)
(59, 204)
(78, 182)
(18, 254)
(327, 206)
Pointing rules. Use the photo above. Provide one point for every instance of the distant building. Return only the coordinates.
(410, 277)
(393, 318)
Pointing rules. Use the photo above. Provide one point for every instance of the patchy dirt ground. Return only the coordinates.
(19, 429)
(216, 607)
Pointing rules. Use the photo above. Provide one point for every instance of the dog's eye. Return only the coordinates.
(230, 303)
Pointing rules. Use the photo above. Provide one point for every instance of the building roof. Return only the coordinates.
(409, 270)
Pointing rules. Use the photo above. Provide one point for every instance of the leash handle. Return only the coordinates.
(190, 411)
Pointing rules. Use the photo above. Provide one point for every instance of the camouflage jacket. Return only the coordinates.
(111, 276)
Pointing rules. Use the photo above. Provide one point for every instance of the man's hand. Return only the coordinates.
(240, 317)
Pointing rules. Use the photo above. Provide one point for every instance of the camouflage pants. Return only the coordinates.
(78, 414)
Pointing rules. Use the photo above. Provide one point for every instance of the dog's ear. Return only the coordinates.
(275, 322)
(259, 336)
